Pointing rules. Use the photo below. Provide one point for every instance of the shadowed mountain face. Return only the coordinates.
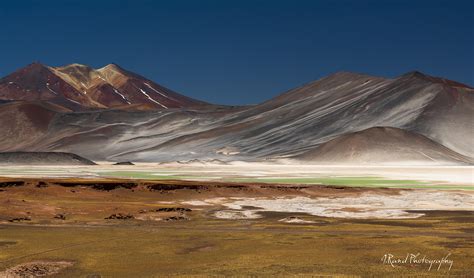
(42, 158)
(289, 125)
(79, 87)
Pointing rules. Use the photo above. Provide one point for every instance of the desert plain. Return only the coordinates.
(241, 219)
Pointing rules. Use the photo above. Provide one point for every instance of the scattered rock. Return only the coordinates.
(106, 186)
(120, 216)
(176, 218)
(170, 187)
(41, 184)
(60, 216)
(231, 186)
(171, 209)
(112, 186)
(35, 269)
(11, 183)
(19, 219)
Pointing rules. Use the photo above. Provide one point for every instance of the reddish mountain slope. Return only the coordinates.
(38, 82)
(79, 87)
(23, 124)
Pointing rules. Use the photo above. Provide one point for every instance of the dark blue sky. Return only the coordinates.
(242, 51)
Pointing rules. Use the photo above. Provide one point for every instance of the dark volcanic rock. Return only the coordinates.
(171, 187)
(120, 216)
(124, 163)
(41, 184)
(176, 218)
(19, 219)
(172, 209)
(107, 186)
(11, 183)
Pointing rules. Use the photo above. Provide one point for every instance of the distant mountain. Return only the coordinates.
(382, 146)
(317, 112)
(42, 158)
(289, 125)
(80, 87)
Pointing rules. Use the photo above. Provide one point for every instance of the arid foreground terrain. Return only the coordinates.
(91, 221)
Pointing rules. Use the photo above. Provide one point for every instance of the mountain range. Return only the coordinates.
(115, 115)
